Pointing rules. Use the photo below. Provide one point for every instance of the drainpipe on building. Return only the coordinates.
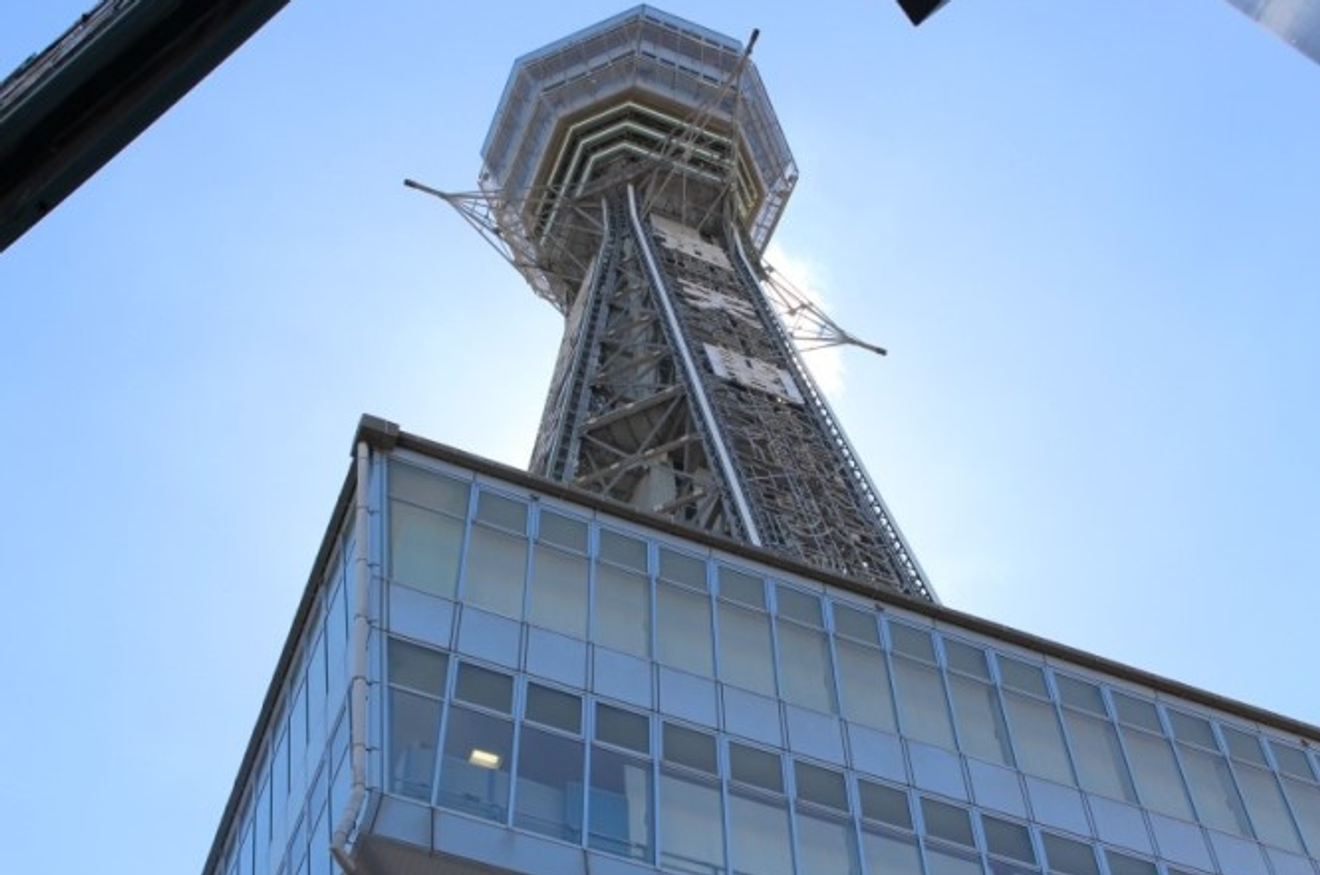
(357, 690)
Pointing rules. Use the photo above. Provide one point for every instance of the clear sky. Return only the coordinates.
(1086, 231)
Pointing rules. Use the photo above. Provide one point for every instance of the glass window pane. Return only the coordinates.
(484, 687)
(1007, 839)
(1023, 676)
(474, 775)
(623, 611)
(1156, 774)
(826, 846)
(981, 729)
(1037, 738)
(1100, 766)
(414, 730)
(943, 860)
(554, 708)
(496, 566)
(755, 767)
(1305, 802)
(864, 685)
(821, 786)
(1196, 730)
(1080, 694)
(742, 587)
(624, 728)
(1292, 761)
(759, 836)
(804, 665)
(683, 637)
(620, 804)
(1122, 864)
(1244, 746)
(912, 642)
(1137, 712)
(682, 568)
(559, 592)
(856, 623)
(501, 511)
(966, 659)
(424, 549)
(549, 797)
(1068, 856)
(944, 821)
(885, 804)
(1213, 791)
(563, 531)
(427, 489)
(1269, 812)
(688, 747)
(417, 668)
(923, 709)
(746, 659)
(890, 853)
(797, 605)
(691, 826)
(623, 550)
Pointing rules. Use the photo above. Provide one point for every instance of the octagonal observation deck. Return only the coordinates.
(643, 95)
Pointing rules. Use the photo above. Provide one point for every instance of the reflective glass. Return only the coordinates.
(746, 659)
(1196, 730)
(427, 489)
(474, 775)
(1137, 712)
(623, 611)
(1305, 802)
(1080, 694)
(484, 687)
(417, 668)
(620, 804)
(1292, 761)
(554, 708)
(742, 587)
(623, 550)
(923, 708)
(624, 728)
(1037, 738)
(966, 659)
(755, 767)
(559, 592)
(864, 685)
(821, 786)
(683, 631)
(1068, 856)
(564, 531)
(804, 664)
(688, 747)
(884, 804)
(1122, 864)
(1266, 806)
(1007, 839)
(943, 860)
(1156, 774)
(759, 836)
(981, 729)
(948, 822)
(1023, 676)
(691, 826)
(1244, 746)
(682, 568)
(1213, 791)
(549, 789)
(912, 642)
(501, 511)
(496, 567)
(826, 846)
(890, 853)
(414, 730)
(797, 605)
(1100, 766)
(856, 623)
(424, 549)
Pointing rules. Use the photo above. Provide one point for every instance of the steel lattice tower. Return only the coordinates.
(633, 173)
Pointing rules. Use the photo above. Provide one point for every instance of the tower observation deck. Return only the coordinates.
(633, 173)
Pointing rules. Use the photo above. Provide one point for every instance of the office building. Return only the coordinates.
(642, 655)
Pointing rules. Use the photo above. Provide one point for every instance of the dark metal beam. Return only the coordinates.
(68, 110)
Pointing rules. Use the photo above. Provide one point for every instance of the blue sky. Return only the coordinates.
(1086, 231)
